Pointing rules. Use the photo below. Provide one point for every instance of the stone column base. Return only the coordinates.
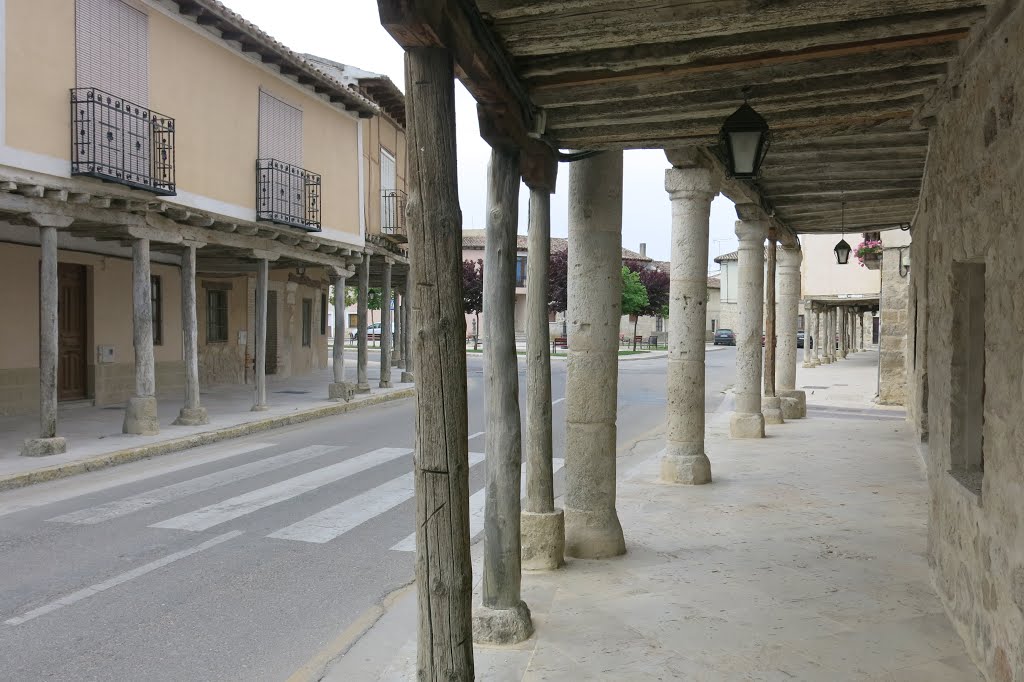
(384, 384)
(543, 540)
(826, 360)
(43, 447)
(192, 416)
(140, 418)
(593, 534)
(407, 378)
(502, 626)
(771, 408)
(794, 404)
(746, 425)
(362, 388)
(339, 391)
(686, 469)
(260, 408)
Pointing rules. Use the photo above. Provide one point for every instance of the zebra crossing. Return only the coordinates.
(321, 527)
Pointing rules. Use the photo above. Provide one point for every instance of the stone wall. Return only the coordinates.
(892, 342)
(970, 213)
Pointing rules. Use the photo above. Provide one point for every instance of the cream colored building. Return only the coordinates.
(164, 131)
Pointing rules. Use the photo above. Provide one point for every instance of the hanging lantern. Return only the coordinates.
(744, 140)
(842, 252)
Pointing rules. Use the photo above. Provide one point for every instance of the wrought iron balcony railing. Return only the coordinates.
(392, 214)
(287, 194)
(119, 141)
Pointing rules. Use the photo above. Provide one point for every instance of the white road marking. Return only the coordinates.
(219, 513)
(335, 521)
(555, 402)
(476, 435)
(152, 498)
(76, 486)
(476, 511)
(78, 596)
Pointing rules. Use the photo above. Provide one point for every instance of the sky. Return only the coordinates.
(349, 31)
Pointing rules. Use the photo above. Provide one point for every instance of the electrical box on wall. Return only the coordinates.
(104, 354)
(243, 336)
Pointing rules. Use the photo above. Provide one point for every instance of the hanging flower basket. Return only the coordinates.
(869, 253)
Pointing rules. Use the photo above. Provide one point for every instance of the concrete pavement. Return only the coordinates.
(804, 560)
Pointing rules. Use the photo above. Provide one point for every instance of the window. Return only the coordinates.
(280, 130)
(216, 316)
(713, 324)
(659, 324)
(353, 320)
(307, 322)
(967, 402)
(323, 314)
(156, 310)
(112, 49)
(520, 271)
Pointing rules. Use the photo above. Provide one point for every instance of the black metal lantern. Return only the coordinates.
(842, 252)
(744, 141)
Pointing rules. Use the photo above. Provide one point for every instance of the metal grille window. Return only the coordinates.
(285, 192)
(216, 316)
(307, 322)
(392, 199)
(156, 310)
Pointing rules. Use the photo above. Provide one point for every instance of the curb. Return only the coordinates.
(127, 455)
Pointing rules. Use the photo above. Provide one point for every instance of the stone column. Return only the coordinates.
(819, 338)
(826, 335)
(863, 324)
(192, 414)
(396, 353)
(362, 313)
(339, 389)
(808, 334)
(543, 526)
(262, 284)
(385, 326)
(141, 416)
(409, 325)
(592, 529)
(503, 617)
(751, 229)
(48, 443)
(794, 402)
(690, 190)
(842, 332)
(771, 404)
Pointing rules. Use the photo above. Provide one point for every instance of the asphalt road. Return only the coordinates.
(241, 560)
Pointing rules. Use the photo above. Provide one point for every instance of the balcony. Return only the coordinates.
(392, 215)
(119, 141)
(287, 194)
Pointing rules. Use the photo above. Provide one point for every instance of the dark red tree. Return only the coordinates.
(473, 294)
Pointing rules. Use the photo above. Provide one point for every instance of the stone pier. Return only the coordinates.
(262, 283)
(339, 389)
(362, 315)
(192, 414)
(794, 402)
(385, 326)
(140, 418)
(747, 421)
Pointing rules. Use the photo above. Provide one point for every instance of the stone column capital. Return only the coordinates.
(693, 182)
(790, 257)
(751, 231)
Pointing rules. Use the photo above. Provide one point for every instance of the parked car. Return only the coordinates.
(725, 337)
(372, 332)
(800, 340)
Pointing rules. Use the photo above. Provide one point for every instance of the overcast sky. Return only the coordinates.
(350, 32)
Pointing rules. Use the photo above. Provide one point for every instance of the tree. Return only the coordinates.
(634, 297)
(473, 294)
(558, 283)
(657, 283)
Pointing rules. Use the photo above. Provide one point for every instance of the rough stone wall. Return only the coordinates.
(114, 383)
(222, 363)
(970, 211)
(728, 316)
(892, 342)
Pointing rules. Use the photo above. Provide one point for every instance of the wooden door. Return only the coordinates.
(72, 330)
(271, 362)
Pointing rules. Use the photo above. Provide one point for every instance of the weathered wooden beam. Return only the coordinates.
(782, 201)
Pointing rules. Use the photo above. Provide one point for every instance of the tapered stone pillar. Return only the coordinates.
(140, 418)
(503, 617)
(385, 326)
(863, 323)
(396, 352)
(192, 414)
(339, 389)
(843, 317)
(818, 337)
(751, 229)
(690, 191)
(771, 404)
(543, 526)
(826, 335)
(592, 529)
(808, 335)
(409, 325)
(362, 313)
(262, 284)
(48, 442)
(794, 402)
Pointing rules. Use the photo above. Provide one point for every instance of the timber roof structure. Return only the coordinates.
(848, 88)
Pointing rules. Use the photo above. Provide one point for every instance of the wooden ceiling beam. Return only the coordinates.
(851, 197)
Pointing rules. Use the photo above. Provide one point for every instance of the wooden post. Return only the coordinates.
(262, 282)
(503, 617)
(444, 578)
(141, 416)
(385, 326)
(362, 308)
(192, 414)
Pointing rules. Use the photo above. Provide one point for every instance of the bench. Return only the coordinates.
(559, 341)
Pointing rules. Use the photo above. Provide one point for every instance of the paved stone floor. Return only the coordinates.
(92, 431)
(804, 560)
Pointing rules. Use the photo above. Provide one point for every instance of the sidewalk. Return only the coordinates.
(804, 560)
(95, 440)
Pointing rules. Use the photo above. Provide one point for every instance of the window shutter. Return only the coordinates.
(112, 49)
(280, 130)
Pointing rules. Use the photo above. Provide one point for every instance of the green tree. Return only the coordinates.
(634, 297)
(473, 294)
